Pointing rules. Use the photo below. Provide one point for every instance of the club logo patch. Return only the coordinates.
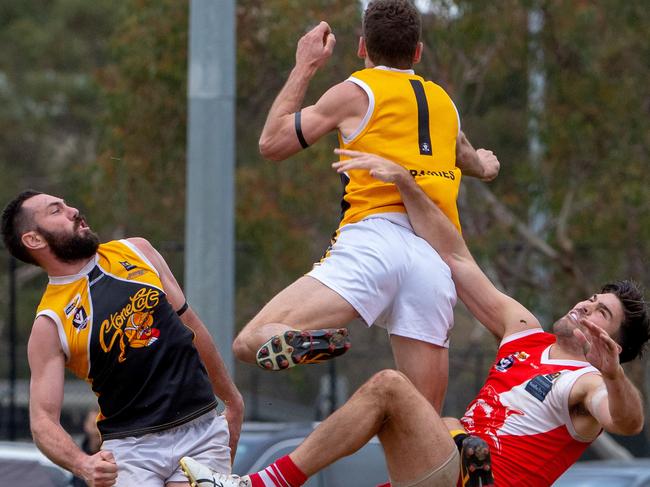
(80, 319)
(506, 362)
(75, 310)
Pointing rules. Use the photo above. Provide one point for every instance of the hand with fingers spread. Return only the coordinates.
(316, 46)
(599, 348)
(379, 168)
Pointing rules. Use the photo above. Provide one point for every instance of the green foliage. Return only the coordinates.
(49, 105)
(93, 106)
(285, 212)
(48, 96)
(141, 165)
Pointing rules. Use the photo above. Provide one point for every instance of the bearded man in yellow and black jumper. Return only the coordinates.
(114, 315)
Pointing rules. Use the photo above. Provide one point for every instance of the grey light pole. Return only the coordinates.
(209, 231)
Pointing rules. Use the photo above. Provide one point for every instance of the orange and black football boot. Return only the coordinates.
(296, 347)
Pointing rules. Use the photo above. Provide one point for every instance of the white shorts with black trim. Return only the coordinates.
(151, 460)
(392, 278)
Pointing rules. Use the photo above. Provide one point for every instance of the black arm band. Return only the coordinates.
(183, 309)
(301, 138)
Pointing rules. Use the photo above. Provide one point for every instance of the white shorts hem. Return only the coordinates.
(444, 343)
(365, 315)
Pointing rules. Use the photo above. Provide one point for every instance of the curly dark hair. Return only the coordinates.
(391, 30)
(635, 328)
(15, 222)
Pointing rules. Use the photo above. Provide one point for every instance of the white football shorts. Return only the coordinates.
(151, 460)
(391, 277)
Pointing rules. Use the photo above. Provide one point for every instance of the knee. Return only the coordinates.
(388, 383)
(240, 348)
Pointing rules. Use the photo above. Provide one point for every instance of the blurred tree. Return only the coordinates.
(121, 150)
(141, 167)
(49, 104)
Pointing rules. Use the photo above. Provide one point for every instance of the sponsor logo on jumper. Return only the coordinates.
(72, 306)
(441, 174)
(425, 148)
(134, 274)
(540, 386)
(506, 362)
(132, 326)
(127, 265)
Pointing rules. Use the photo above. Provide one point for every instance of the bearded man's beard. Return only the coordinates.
(71, 248)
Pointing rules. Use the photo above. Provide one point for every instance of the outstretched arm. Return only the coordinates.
(279, 139)
(222, 385)
(481, 164)
(342, 106)
(612, 400)
(500, 314)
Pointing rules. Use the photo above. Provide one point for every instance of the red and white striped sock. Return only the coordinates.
(282, 473)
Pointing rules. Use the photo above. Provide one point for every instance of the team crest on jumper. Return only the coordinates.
(132, 326)
(488, 414)
(76, 310)
(506, 362)
(80, 319)
(140, 331)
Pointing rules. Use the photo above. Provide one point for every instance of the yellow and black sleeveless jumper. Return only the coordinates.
(119, 333)
(412, 122)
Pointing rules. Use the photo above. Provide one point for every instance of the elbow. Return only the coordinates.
(269, 150)
(629, 426)
(37, 429)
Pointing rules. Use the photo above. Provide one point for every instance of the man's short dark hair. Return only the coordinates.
(391, 30)
(16, 221)
(635, 329)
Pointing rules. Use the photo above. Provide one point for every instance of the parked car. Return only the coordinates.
(610, 473)
(263, 443)
(21, 463)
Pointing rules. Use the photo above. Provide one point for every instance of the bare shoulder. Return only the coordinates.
(44, 338)
(345, 97)
(148, 250)
(141, 243)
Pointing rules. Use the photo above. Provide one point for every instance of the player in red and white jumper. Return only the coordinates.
(546, 398)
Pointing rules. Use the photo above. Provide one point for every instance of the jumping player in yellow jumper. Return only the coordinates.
(376, 267)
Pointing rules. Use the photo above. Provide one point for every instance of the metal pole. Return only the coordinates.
(12, 349)
(209, 231)
(538, 216)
